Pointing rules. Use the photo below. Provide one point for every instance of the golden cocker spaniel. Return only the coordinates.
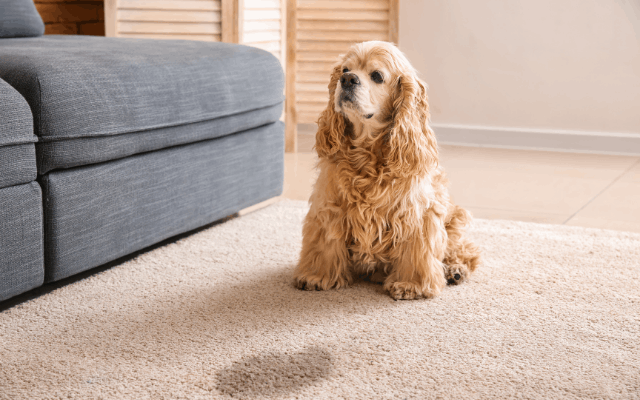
(380, 207)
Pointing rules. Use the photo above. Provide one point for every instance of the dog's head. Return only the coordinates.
(375, 87)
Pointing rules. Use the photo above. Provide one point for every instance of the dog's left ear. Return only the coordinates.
(412, 144)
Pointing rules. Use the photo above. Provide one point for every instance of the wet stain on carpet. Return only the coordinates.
(275, 373)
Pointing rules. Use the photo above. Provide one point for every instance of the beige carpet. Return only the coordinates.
(554, 313)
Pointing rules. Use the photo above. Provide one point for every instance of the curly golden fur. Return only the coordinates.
(380, 207)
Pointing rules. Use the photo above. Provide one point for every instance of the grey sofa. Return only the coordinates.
(21, 242)
(108, 145)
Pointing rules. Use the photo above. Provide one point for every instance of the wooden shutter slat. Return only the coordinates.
(272, 47)
(261, 4)
(324, 56)
(164, 27)
(312, 97)
(258, 15)
(257, 26)
(259, 37)
(203, 5)
(345, 36)
(342, 5)
(349, 15)
(174, 36)
(168, 16)
(315, 66)
(312, 87)
(308, 118)
(311, 107)
(312, 77)
(337, 47)
(323, 25)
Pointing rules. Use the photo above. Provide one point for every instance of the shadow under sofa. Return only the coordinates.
(141, 140)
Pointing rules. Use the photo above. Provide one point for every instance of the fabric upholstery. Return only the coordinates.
(17, 154)
(17, 164)
(16, 121)
(95, 214)
(21, 244)
(19, 18)
(84, 86)
(90, 150)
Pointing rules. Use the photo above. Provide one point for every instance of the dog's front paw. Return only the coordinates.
(456, 274)
(406, 291)
(315, 282)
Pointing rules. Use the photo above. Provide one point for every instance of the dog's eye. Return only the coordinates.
(345, 70)
(376, 76)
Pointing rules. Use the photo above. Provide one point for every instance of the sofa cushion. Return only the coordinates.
(58, 154)
(83, 86)
(17, 153)
(19, 18)
(97, 213)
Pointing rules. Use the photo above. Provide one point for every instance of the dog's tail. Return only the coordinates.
(457, 221)
(460, 249)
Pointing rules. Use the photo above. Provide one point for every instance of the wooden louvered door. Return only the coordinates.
(319, 31)
(165, 19)
(264, 26)
(258, 23)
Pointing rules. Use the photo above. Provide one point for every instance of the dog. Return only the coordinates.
(380, 206)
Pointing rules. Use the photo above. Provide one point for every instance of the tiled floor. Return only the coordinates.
(590, 190)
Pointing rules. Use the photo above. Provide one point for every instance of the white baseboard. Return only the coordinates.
(531, 139)
(538, 139)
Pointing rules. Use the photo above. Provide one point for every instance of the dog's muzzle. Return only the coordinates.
(347, 97)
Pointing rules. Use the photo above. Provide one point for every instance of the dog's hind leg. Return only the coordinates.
(417, 270)
(462, 256)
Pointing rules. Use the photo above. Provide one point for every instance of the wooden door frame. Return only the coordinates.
(394, 21)
(291, 119)
(110, 17)
(231, 20)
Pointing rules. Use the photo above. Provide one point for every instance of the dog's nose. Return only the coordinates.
(349, 80)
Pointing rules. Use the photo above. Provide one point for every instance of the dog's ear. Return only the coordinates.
(412, 144)
(331, 124)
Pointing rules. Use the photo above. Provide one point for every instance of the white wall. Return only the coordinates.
(528, 64)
